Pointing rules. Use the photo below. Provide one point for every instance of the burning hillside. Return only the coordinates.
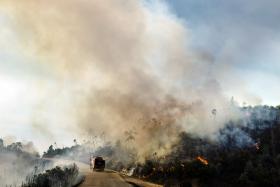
(243, 150)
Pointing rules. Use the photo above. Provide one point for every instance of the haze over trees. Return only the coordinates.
(243, 153)
(22, 166)
(17, 160)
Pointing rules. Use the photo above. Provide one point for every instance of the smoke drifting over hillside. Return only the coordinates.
(120, 67)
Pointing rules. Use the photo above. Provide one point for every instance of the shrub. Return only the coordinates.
(56, 177)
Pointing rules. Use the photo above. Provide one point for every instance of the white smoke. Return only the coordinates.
(116, 66)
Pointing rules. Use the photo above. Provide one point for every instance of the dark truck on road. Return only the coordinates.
(97, 163)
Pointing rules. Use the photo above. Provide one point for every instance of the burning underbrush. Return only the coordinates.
(243, 153)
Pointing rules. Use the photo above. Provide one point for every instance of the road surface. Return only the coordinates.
(104, 179)
(96, 179)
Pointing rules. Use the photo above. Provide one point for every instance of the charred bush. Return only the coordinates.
(56, 177)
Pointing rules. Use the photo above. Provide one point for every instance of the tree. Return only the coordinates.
(1, 143)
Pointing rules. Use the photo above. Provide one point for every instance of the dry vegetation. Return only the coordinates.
(56, 177)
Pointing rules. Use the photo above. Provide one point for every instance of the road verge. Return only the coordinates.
(139, 183)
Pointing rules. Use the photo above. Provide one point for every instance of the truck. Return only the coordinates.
(97, 163)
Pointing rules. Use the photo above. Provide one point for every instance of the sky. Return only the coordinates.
(244, 34)
(47, 78)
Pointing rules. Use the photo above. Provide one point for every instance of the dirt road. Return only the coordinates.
(104, 179)
(101, 179)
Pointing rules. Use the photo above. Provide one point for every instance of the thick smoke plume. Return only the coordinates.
(123, 68)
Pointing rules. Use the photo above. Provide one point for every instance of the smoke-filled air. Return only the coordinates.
(111, 72)
(117, 66)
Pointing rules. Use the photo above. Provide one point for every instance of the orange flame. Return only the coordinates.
(202, 160)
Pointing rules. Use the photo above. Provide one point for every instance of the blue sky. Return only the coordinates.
(243, 34)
